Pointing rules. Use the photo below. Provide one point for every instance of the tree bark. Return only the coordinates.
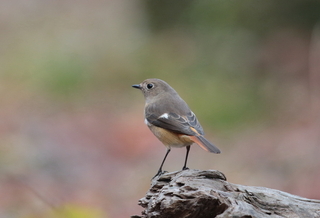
(207, 194)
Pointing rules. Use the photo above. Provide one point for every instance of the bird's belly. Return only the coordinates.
(169, 138)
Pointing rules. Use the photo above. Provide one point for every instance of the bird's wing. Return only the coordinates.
(183, 124)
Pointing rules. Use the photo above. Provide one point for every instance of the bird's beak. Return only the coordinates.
(137, 86)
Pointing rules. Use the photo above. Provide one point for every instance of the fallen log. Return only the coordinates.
(207, 194)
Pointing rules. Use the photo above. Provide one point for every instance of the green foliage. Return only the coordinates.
(71, 211)
(76, 211)
(63, 76)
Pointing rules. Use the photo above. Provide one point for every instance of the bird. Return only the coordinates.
(170, 119)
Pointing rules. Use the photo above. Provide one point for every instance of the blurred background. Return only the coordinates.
(72, 138)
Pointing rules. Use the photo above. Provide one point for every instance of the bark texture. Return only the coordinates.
(207, 194)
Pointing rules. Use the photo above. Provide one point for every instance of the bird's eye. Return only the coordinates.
(150, 86)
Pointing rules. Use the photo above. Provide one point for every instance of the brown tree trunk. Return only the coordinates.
(207, 194)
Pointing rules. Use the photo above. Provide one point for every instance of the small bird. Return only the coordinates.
(170, 119)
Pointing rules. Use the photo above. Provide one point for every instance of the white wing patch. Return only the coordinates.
(146, 122)
(165, 116)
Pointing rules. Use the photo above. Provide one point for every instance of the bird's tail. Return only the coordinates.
(205, 144)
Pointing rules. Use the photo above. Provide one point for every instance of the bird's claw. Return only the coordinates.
(159, 173)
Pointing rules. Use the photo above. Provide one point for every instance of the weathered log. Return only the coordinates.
(207, 194)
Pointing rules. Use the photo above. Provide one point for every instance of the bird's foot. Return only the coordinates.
(185, 168)
(159, 173)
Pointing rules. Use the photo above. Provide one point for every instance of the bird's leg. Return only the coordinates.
(164, 159)
(185, 162)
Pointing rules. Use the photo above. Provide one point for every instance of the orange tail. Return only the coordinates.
(205, 144)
